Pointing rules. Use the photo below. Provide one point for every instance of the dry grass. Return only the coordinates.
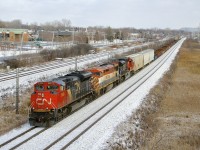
(8, 117)
(10, 120)
(178, 118)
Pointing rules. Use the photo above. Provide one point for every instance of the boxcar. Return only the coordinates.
(138, 61)
(148, 56)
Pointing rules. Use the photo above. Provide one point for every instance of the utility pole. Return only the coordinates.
(73, 36)
(21, 42)
(199, 32)
(52, 39)
(76, 64)
(17, 91)
(104, 36)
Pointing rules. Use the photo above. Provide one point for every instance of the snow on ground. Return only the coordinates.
(28, 49)
(31, 50)
(13, 53)
(96, 137)
(21, 138)
(14, 132)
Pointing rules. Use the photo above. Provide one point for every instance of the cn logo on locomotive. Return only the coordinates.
(40, 101)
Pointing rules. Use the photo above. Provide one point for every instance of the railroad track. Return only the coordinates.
(24, 141)
(19, 135)
(11, 143)
(31, 68)
(121, 97)
(43, 68)
(110, 106)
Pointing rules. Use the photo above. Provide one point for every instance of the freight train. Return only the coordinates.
(53, 100)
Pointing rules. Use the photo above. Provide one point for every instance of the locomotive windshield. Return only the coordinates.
(39, 87)
(52, 87)
(46, 87)
(97, 73)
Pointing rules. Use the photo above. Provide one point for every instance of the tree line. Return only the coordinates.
(95, 33)
(48, 26)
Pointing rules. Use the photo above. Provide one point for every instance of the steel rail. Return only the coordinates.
(46, 69)
(34, 135)
(17, 136)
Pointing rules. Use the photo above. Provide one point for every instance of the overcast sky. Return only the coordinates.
(115, 13)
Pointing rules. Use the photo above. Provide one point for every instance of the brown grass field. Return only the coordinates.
(176, 124)
(8, 117)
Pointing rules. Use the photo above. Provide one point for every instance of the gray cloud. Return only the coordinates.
(115, 13)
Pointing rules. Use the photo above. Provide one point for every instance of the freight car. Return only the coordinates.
(141, 59)
(53, 100)
(148, 56)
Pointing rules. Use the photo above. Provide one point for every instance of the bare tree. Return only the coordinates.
(66, 23)
(96, 36)
(47, 26)
(56, 25)
(109, 34)
(34, 26)
(14, 24)
(2, 24)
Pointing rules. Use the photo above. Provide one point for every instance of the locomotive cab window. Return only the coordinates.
(97, 73)
(107, 70)
(52, 87)
(39, 87)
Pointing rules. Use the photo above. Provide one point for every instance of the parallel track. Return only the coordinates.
(22, 134)
(19, 135)
(34, 135)
(43, 68)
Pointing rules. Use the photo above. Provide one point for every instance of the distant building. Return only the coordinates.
(59, 36)
(14, 35)
(63, 36)
(134, 35)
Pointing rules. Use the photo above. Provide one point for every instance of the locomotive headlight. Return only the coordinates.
(47, 108)
(33, 108)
